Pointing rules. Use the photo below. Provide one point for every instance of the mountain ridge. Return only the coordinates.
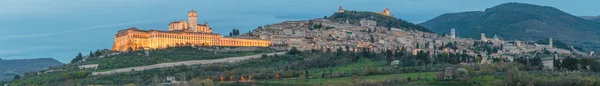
(520, 21)
(9, 68)
(592, 18)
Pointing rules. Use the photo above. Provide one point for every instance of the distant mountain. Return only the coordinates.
(593, 18)
(522, 22)
(9, 68)
(385, 21)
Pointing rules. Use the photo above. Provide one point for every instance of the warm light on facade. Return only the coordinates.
(179, 34)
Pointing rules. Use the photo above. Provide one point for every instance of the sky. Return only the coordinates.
(60, 29)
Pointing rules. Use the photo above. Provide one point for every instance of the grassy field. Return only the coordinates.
(345, 80)
(485, 79)
(358, 65)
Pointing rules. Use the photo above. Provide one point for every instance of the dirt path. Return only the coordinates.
(192, 62)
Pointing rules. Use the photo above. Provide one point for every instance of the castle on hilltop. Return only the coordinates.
(181, 33)
(386, 11)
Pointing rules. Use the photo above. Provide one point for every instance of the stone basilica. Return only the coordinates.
(181, 33)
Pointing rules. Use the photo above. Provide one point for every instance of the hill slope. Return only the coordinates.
(385, 21)
(522, 22)
(9, 68)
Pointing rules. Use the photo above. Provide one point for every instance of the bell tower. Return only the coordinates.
(550, 42)
(192, 21)
(341, 10)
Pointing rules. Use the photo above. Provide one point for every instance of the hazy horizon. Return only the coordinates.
(59, 30)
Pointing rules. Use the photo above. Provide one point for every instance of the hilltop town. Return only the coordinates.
(325, 34)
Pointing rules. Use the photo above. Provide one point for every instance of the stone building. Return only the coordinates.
(192, 24)
(385, 12)
(452, 33)
(368, 23)
(179, 34)
(341, 9)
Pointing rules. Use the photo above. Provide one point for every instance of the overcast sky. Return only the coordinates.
(61, 28)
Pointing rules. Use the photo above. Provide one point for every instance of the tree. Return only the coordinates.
(91, 54)
(372, 39)
(250, 33)
(234, 32)
(306, 75)
(417, 46)
(536, 61)
(595, 67)
(97, 53)
(77, 58)
(389, 55)
(556, 63)
(570, 63)
(478, 58)
(339, 51)
(17, 77)
(237, 32)
(294, 51)
(347, 49)
(587, 62)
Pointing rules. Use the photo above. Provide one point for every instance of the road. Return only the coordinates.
(192, 62)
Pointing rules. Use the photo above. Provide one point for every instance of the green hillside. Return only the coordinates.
(302, 65)
(317, 67)
(592, 18)
(139, 58)
(384, 21)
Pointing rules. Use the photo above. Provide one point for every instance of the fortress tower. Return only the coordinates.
(386, 11)
(550, 42)
(341, 9)
(192, 20)
(452, 33)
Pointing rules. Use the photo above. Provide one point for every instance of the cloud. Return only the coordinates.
(25, 50)
(25, 36)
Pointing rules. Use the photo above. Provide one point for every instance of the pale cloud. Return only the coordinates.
(26, 50)
(25, 36)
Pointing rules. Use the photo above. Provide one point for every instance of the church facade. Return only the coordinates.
(180, 33)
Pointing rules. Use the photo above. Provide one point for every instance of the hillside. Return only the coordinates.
(384, 21)
(9, 68)
(140, 58)
(284, 69)
(324, 67)
(519, 21)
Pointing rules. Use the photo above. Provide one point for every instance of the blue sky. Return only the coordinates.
(61, 28)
